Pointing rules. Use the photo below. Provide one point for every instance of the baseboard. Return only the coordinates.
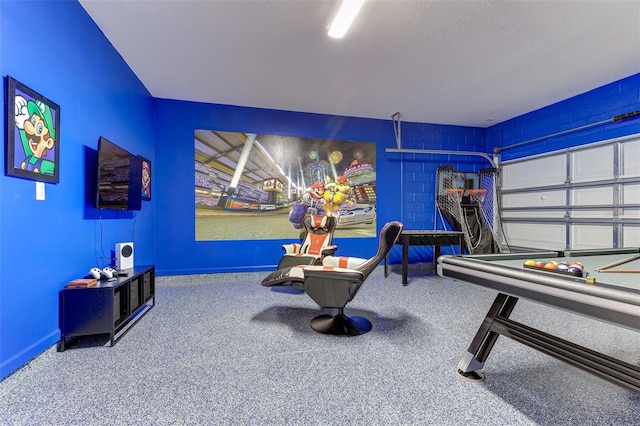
(23, 357)
(221, 270)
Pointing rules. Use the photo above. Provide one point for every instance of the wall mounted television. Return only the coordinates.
(119, 178)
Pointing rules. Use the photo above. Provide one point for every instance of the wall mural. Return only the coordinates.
(255, 187)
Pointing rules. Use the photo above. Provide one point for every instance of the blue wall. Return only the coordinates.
(402, 195)
(595, 106)
(44, 244)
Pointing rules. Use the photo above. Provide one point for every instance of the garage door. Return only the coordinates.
(578, 198)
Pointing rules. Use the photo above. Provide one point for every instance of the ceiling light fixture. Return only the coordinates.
(344, 17)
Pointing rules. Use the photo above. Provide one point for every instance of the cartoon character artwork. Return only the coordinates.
(146, 180)
(312, 202)
(336, 194)
(313, 199)
(33, 144)
(298, 210)
(37, 134)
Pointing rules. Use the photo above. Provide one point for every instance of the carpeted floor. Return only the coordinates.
(221, 349)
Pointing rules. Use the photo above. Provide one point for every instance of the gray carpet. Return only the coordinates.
(221, 349)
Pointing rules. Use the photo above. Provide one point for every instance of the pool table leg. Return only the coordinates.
(484, 339)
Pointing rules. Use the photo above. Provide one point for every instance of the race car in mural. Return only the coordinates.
(355, 214)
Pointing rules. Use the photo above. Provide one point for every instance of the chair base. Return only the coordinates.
(341, 325)
(471, 376)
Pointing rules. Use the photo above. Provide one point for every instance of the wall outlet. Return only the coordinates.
(40, 191)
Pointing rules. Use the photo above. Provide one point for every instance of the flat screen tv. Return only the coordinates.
(119, 178)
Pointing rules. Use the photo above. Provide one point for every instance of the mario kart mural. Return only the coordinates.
(276, 180)
(336, 199)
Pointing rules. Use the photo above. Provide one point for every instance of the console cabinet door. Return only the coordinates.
(86, 311)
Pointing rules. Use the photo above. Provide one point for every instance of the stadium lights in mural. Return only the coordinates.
(255, 187)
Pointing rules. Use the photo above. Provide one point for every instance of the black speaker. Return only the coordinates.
(124, 256)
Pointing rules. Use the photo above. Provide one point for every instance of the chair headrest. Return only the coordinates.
(317, 222)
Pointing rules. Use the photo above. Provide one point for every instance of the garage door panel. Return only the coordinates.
(631, 236)
(629, 214)
(535, 199)
(534, 214)
(591, 236)
(544, 171)
(631, 193)
(630, 152)
(592, 214)
(601, 195)
(592, 164)
(541, 235)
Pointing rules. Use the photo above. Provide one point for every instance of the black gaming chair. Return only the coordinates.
(336, 282)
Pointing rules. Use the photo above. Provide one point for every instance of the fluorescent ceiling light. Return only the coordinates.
(344, 17)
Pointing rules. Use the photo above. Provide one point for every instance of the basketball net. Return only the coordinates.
(488, 203)
(450, 200)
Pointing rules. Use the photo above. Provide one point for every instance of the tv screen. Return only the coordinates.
(119, 178)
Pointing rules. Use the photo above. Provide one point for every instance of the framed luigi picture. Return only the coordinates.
(32, 148)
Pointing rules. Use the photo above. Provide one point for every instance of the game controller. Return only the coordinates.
(95, 273)
(106, 272)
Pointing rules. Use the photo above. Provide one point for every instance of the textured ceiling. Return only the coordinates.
(472, 63)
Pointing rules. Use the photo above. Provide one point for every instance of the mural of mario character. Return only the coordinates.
(37, 134)
(312, 203)
(313, 199)
(146, 180)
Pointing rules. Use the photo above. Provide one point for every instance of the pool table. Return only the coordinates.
(602, 291)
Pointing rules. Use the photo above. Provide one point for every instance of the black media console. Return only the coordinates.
(110, 307)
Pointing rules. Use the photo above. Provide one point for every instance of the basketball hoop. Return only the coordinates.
(454, 193)
(477, 195)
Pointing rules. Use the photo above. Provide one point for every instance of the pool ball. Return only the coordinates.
(562, 266)
(540, 264)
(550, 265)
(574, 269)
(530, 262)
(578, 264)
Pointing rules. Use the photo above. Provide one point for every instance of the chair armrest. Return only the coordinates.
(328, 250)
(291, 248)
